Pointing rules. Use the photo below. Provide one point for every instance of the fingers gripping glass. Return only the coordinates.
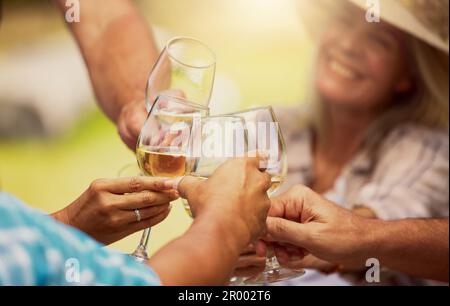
(183, 72)
(218, 139)
(163, 143)
(264, 135)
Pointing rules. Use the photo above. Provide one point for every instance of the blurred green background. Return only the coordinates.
(263, 57)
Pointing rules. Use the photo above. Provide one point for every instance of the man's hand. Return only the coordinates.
(119, 50)
(230, 210)
(133, 115)
(130, 122)
(303, 219)
(236, 194)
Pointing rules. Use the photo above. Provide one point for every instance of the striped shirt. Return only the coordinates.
(409, 179)
(37, 250)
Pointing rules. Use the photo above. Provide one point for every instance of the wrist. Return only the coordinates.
(61, 216)
(370, 238)
(231, 231)
(364, 211)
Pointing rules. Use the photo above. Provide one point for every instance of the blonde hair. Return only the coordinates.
(427, 103)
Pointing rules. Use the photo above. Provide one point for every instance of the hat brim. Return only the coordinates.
(391, 11)
(397, 15)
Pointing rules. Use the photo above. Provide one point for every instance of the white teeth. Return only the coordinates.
(342, 71)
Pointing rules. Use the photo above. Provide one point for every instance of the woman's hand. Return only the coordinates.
(106, 210)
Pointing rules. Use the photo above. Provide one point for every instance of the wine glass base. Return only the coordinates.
(140, 255)
(274, 275)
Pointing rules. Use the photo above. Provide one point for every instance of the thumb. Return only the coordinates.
(291, 232)
(185, 184)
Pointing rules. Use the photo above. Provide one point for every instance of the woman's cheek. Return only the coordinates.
(382, 71)
(384, 67)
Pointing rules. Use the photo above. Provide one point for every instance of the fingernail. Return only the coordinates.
(176, 182)
(169, 183)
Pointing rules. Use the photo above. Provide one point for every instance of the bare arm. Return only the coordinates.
(227, 218)
(204, 255)
(303, 218)
(118, 48)
(417, 247)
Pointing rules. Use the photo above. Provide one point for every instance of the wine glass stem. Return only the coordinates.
(271, 260)
(141, 250)
(144, 238)
(272, 263)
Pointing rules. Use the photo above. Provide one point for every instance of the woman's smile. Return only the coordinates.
(342, 70)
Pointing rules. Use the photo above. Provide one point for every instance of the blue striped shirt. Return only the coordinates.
(37, 250)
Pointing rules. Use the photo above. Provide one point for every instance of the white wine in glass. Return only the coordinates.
(161, 161)
(163, 142)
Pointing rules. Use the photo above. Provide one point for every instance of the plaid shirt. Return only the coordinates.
(37, 250)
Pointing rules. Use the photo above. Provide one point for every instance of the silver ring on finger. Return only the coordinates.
(138, 215)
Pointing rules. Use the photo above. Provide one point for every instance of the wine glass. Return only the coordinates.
(185, 68)
(130, 170)
(163, 143)
(216, 140)
(264, 135)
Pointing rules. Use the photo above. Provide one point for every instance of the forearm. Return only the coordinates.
(416, 247)
(205, 255)
(118, 48)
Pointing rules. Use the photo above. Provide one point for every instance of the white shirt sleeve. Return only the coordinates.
(412, 176)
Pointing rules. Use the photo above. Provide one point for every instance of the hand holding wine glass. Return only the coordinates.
(264, 134)
(214, 141)
(163, 143)
(240, 203)
(185, 69)
(105, 210)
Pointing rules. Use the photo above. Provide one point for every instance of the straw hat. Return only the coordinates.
(426, 20)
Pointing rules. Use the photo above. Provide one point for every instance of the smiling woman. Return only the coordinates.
(375, 139)
(361, 63)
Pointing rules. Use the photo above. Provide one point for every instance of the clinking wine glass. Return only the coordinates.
(163, 143)
(185, 68)
(264, 135)
(216, 140)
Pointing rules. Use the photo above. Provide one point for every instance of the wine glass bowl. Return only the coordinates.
(164, 139)
(163, 143)
(216, 140)
(177, 95)
(186, 69)
(264, 135)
